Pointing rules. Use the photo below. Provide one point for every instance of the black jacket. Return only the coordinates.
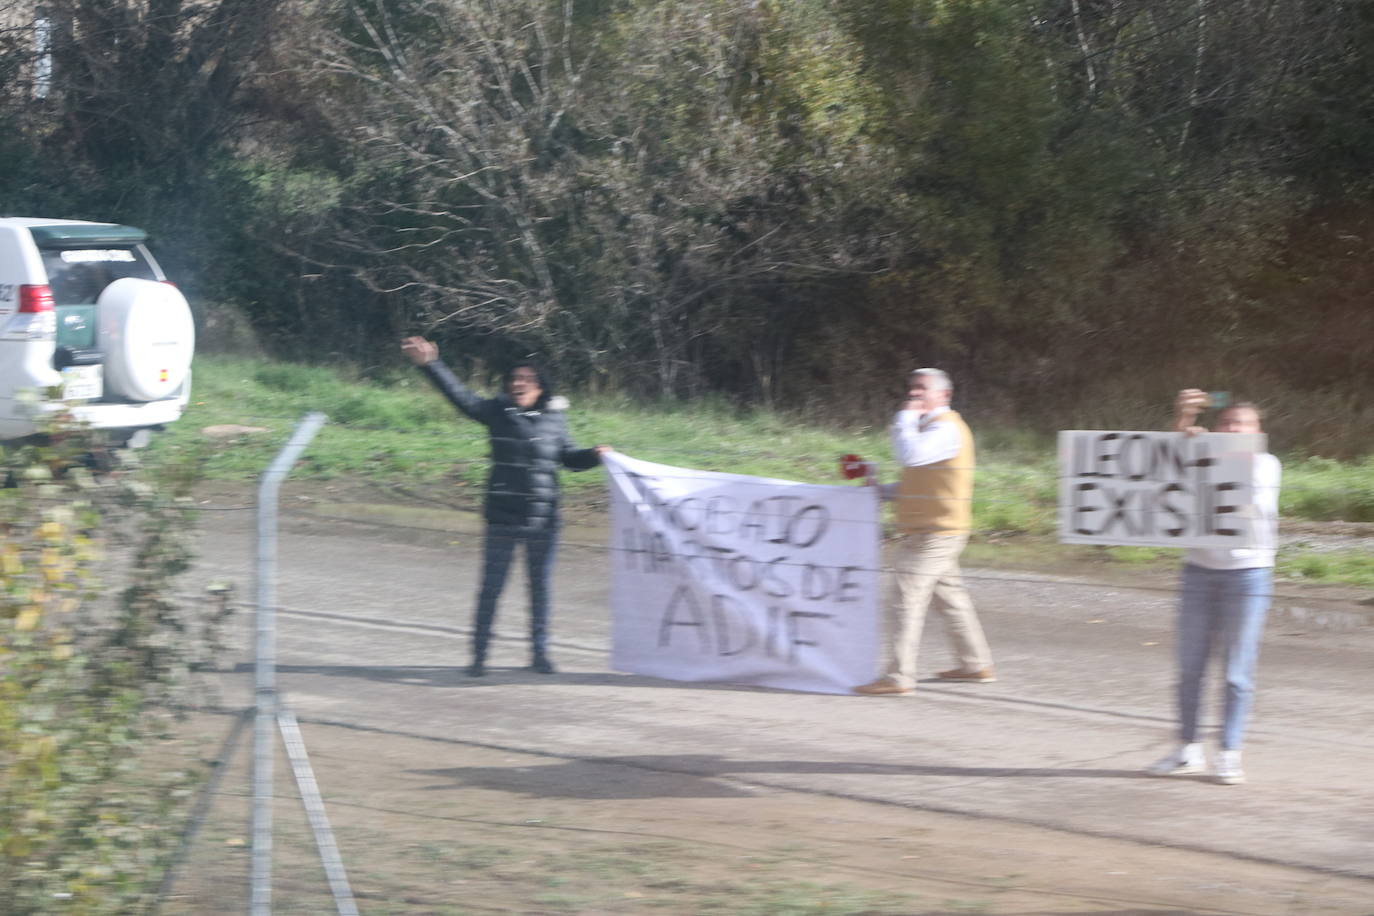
(527, 447)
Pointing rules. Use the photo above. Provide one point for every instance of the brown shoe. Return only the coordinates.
(885, 687)
(979, 675)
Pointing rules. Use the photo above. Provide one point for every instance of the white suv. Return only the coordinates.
(84, 306)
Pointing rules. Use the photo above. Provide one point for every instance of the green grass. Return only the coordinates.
(1332, 567)
(398, 431)
(1325, 490)
(1130, 555)
(1015, 495)
(402, 431)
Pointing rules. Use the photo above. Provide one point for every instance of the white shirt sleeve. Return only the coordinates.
(916, 440)
(1268, 476)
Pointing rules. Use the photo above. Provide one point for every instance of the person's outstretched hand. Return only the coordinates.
(1189, 403)
(420, 351)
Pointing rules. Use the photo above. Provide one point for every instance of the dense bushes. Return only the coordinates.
(91, 639)
(1075, 206)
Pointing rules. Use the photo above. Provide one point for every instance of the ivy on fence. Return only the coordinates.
(94, 646)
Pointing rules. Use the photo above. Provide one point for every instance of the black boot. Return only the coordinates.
(478, 668)
(542, 665)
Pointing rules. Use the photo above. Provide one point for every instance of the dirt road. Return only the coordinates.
(603, 792)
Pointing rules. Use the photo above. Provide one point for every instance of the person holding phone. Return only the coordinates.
(528, 432)
(934, 500)
(1223, 600)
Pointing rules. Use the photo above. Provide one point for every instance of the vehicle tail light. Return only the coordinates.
(36, 317)
(34, 299)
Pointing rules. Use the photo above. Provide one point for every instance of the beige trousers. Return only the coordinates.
(927, 572)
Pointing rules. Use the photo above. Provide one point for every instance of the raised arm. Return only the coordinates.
(425, 354)
(914, 446)
(1187, 406)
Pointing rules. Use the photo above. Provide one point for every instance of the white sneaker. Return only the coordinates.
(1185, 761)
(1228, 771)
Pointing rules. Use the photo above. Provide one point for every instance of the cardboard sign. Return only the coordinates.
(742, 580)
(1161, 489)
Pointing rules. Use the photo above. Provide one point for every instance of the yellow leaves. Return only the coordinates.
(85, 550)
(72, 708)
(55, 565)
(38, 747)
(41, 751)
(51, 555)
(37, 818)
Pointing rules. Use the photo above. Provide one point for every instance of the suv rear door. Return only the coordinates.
(81, 260)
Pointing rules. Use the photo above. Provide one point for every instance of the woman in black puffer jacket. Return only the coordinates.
(529, 442)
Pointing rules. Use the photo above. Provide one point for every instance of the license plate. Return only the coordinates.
(83, 383)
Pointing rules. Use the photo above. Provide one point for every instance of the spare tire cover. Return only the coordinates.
(148, 337)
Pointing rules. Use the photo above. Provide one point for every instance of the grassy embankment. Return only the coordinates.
(400, 432)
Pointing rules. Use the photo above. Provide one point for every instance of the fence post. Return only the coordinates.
(265, 669)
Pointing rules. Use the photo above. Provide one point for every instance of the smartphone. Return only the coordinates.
(1219, 400)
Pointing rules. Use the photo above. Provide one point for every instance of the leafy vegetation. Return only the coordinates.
(395, 430)
(1075, 207)
(91, 640)
(1327, 490)
(1347, 567)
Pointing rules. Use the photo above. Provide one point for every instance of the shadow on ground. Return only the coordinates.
(450, 676)
(1111, 913)
(701, 775)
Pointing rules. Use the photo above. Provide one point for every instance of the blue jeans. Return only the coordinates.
(498, 551)
(1220, 609)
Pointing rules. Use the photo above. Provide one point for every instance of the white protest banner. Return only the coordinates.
(742, 580)
(1161, 489)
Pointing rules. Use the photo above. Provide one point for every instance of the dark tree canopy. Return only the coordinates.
(1075, 205)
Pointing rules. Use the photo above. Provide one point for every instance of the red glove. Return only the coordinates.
(852, 467)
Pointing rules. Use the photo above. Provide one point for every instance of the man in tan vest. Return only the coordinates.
(934, 510)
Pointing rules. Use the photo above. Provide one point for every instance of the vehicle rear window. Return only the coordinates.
(77, 276)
